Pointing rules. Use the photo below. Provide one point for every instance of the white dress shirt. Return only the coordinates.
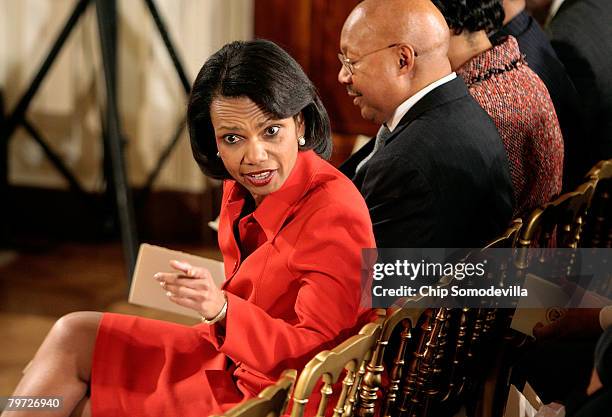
(403, 108)
(554, 8)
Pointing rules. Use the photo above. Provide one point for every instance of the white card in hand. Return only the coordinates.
(550, 298)
(145, 289)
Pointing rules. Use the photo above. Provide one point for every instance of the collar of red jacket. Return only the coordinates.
(275, 207)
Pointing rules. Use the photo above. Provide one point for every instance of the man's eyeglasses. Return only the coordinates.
(349, 64)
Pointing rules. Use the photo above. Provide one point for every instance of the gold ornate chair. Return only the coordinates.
(405, 320)
(500, 267)
(445, 363)
(430, 357)
(558, 222)
(349, 359)
(598, 227)
(422, 352)
(509, 238)
(491, 345)
(271, 402)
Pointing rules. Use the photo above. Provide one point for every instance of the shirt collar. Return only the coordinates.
(275, 207)
(403, 108)
(554, 8)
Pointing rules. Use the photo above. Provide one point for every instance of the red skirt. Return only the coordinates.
(144, 367)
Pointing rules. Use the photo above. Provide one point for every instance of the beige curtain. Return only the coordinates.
(151, 99)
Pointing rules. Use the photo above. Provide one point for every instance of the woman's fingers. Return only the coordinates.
(191, 271)
(189, 276)
(186, 297)
(166, 276)
(165, 279)
(185, 302)
(183, 291)
(181, 266)
(192, 287)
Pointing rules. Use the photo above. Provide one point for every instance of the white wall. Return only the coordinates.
(151, 98)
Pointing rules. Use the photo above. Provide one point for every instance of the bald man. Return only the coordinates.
(437, 173)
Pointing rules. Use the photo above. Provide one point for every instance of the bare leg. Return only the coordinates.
(62, 365)
(83, 409)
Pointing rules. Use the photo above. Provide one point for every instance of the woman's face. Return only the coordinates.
(258, 151)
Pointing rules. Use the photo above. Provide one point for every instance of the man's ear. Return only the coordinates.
(406, 58)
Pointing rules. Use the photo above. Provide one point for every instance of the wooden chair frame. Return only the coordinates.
(350, 356)
(271, 402)
(598, 230)
(601, 170)
(415, 367)
(567, 213)
(372, 380)
(509, 238)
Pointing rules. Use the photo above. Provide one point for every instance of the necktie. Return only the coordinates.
(379, 142)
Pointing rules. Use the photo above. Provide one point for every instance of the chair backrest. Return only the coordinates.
(601, 170)
(404, 319)
(349, 359)
(271, 402)
(426, 386)
(414, 350)
(558, 222)
(598, 225)
(433, 360)
(509, 238)
(500, 265)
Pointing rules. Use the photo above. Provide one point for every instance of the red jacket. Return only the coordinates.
(299, 292)
(296, 294)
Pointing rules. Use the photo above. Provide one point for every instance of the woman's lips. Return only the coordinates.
(260, 178)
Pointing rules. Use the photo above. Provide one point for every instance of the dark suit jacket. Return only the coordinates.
(581, 34)
(598, 404)
(442, 178)
(543, 60)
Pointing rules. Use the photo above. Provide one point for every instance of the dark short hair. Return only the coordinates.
(271, 78)
(472, 15)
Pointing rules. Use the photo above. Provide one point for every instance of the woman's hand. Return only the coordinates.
(192, 287)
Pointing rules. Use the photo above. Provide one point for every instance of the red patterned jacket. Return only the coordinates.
(519, 104)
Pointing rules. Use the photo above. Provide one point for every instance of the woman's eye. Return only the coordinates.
(231, 139)
(272, 130)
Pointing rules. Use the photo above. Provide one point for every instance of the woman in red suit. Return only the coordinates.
(291, 233)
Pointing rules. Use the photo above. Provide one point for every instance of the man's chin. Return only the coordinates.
(369, 115)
